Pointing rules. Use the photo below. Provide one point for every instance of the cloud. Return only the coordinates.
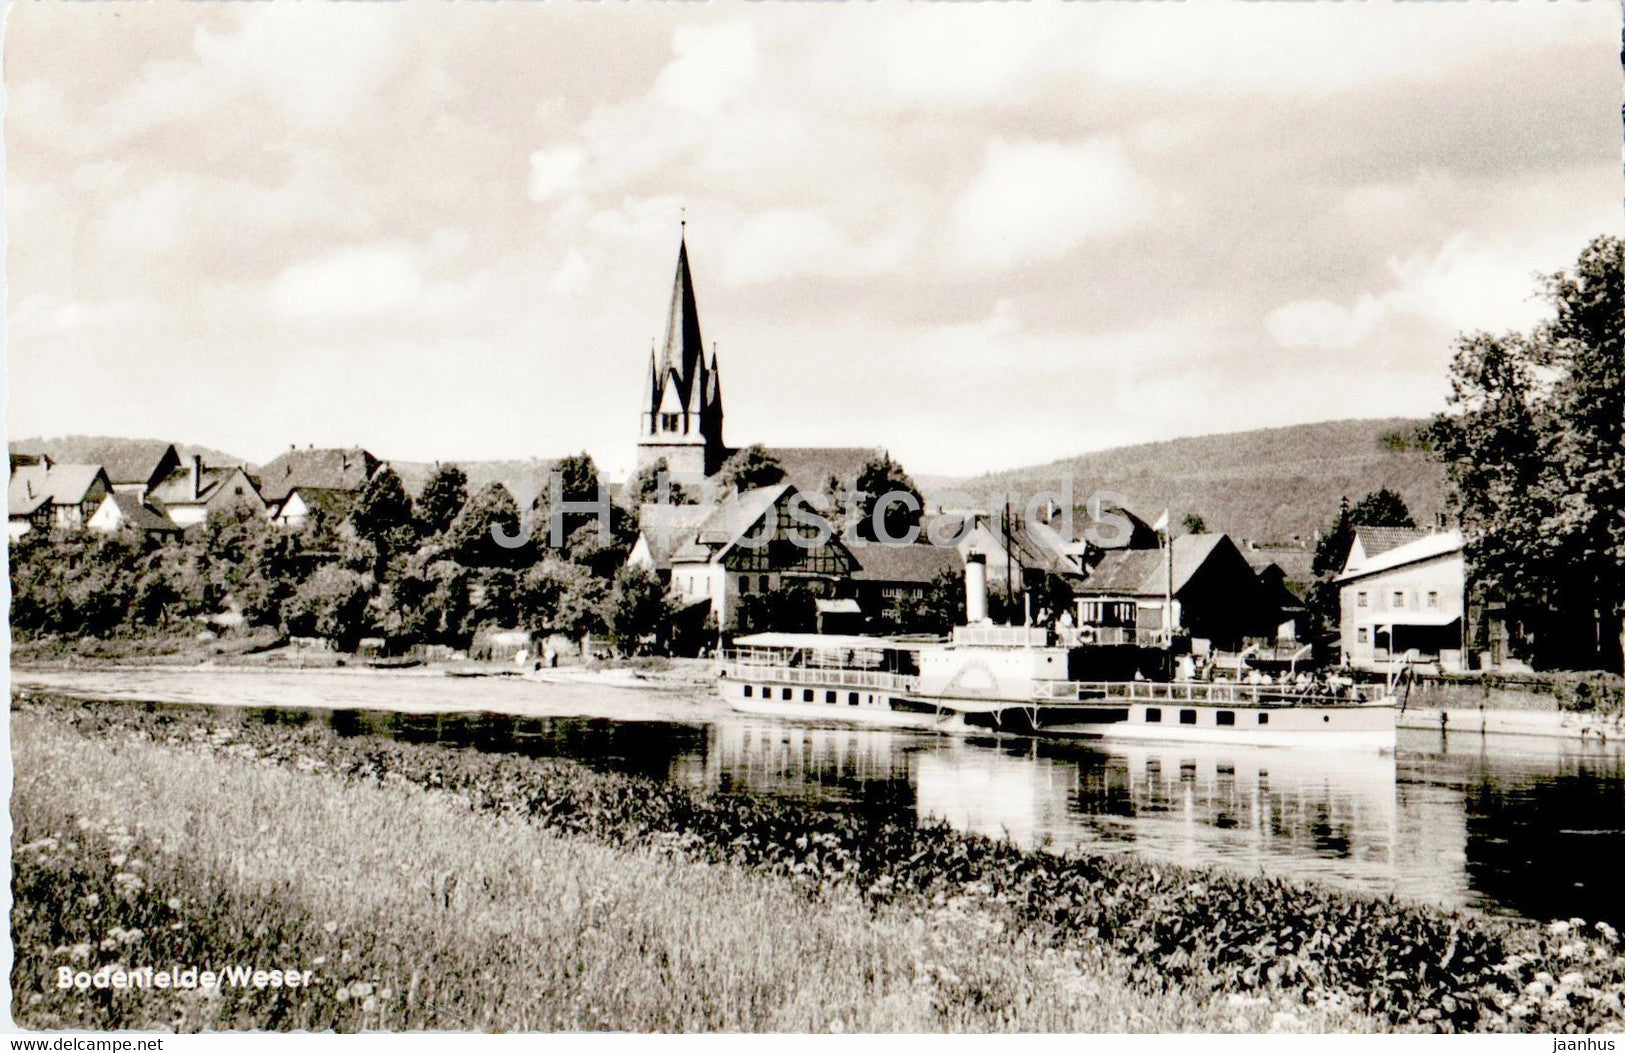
(1036, 201)
(1464, 286)
(152, 219)
(783, 243)
(366, 281)
(556, 172)
(714, 65)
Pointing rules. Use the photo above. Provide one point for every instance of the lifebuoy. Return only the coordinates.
(1087, 634)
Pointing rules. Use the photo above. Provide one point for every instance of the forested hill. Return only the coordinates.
(98, 449)
(1267, 485)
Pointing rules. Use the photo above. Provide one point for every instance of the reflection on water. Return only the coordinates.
(1524, 826)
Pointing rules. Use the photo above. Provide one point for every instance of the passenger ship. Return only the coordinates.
(1012, 679)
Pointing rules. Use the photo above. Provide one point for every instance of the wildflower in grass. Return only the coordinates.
(92, 899)
(331, 927)
(174, 903)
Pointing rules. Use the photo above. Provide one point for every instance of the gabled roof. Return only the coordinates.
(727, 522)
(126, 461)
(336, 468)
(1376, 540)
(1144, 572)
(1426, 547)
(176, 487)
(60, 484)
(810, 468)
(333, 504)
(916, 564)
(667, 527)
(146, 516)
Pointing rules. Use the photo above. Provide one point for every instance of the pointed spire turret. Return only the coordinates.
(684, 346)
(683, 419)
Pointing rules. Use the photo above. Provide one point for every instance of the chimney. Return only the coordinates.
(975, 588)
(197, 476)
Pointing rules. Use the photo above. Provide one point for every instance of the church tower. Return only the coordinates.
(682, 407)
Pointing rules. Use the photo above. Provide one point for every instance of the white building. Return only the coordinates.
(1406, 602)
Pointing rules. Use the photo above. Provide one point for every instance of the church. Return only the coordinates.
(681, 414)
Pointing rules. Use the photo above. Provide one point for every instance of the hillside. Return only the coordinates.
(96, 449)
(1269, 485)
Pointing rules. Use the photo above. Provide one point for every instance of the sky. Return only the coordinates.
(980, 235)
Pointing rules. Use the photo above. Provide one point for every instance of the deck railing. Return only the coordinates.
(817, 676)
(1203, 693)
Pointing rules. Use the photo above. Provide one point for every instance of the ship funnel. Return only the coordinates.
(975, 588)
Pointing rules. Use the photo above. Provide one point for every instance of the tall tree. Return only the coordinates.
(1532, 440)
(881, 477)
(443, 495)
(749, 469)
(383, 514)
(644, 487)
(1382, 508)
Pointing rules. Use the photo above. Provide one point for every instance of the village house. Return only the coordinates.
(749, 544)
(1403, 598)
(190, 493)
(49, 496)
(306, 503)
(339, 468)
(1215, 596)
(135, 513)
(889, 575)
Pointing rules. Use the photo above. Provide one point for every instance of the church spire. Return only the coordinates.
(684, 347)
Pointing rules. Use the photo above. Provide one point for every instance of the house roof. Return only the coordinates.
(913, 564)
(334, 504)
(176, 487)
(1296, 564)
(727, 522)
(1143, 572)
(667, 527)
(1376, 540)
(126, 461)
(811, 467)
(337, 468)
(1426, 547)
(146, 516)
(60, 484)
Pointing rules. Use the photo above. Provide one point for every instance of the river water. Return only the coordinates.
(1528, 827)
(1524, 826)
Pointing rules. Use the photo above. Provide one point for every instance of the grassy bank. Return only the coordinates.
(415, 911)
(910, 927)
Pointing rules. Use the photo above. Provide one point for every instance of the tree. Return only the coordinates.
(469, 539)
(790, 609)
(383, 514)
(443, 495)
(332, 604)
(1382, 508)
(637, 609)
(749, 469)
(644, 487)
(1195, 524)
(881, 477)
(1533, 439)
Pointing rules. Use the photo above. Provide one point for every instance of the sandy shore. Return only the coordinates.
(619, 694)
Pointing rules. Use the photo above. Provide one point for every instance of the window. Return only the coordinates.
(1360, 599)
(784, 693)
(1152, 716)
(829, 698)
(767, 692)
(852, 698)
(1362, 635)
(1224, 718)
(1433, 599)
(1263, 718)
(668, 421)
(1399, 598)
(1187, 716)
(807, 695)
(744, 584)
(747, 690)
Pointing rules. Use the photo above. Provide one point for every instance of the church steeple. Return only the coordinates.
(682, 421)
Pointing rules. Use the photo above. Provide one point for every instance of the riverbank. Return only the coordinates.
(1220, 946)
(412, 910)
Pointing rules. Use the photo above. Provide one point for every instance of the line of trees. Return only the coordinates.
(423, 571)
